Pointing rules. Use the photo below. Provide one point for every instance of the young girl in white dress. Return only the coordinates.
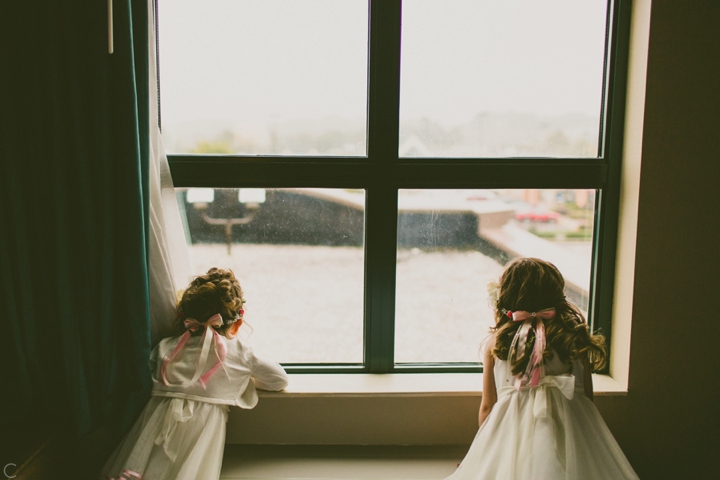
(537, 417)
(197, 375)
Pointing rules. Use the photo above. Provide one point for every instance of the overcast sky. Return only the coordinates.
(258, 61)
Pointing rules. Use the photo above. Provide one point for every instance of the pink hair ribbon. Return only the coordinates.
(533, 372)
(193, 325)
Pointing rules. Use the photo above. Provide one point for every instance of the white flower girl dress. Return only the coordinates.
(551, 431)
(180, 434)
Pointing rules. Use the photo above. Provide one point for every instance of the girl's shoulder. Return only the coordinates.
(239, 350)
(168, 342)
(488, 346)
(235, 343)
(232, 345)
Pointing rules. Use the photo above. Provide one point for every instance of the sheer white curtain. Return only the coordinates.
(169, 268)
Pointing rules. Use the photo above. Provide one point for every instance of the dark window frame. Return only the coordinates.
(382, 173)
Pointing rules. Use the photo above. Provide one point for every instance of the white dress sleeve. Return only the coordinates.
(267, 375)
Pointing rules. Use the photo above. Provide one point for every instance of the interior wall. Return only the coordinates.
(357, 420)
(668, 424)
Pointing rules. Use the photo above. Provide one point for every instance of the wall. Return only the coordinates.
(668, 424)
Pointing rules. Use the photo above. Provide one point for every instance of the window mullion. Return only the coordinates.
(384, 82)
(381, 203)
(607, 215)
(380, 260)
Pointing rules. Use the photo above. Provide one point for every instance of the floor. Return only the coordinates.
(284, 462)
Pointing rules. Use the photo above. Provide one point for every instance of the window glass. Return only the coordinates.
(481, 80)
(488, 78)
(273, 77)
(453, 243)
(298, 254)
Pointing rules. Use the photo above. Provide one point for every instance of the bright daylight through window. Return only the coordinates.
(367, 167)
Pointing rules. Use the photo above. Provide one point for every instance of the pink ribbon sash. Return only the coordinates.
(534, 371)
(193, 325)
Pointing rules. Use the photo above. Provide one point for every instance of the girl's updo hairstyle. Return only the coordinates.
(531, 284)
(218, 291)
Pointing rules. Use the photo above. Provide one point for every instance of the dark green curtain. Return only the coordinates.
(73, 215)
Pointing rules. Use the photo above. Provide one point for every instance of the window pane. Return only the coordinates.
(501, 78)
(264, 77)
(298, 254)
(452, 243)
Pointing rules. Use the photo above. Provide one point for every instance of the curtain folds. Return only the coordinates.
(169, 264)
(75, 215)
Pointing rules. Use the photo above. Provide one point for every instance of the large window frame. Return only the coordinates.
(382, 173)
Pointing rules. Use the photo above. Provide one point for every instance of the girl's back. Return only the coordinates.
(537, 418)
(552, 431)
(197, 376)
(230, 385)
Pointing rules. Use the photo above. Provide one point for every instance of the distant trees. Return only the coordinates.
(485, 135)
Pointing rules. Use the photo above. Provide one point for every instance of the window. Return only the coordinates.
(367, 167)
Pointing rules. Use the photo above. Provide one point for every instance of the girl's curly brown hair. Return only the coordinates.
(531, 284)
(218, 291)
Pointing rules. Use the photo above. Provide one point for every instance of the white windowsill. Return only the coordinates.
(405, 384)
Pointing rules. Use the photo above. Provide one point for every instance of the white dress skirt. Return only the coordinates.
(548, 432)
(180, 435)
(170, 429)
